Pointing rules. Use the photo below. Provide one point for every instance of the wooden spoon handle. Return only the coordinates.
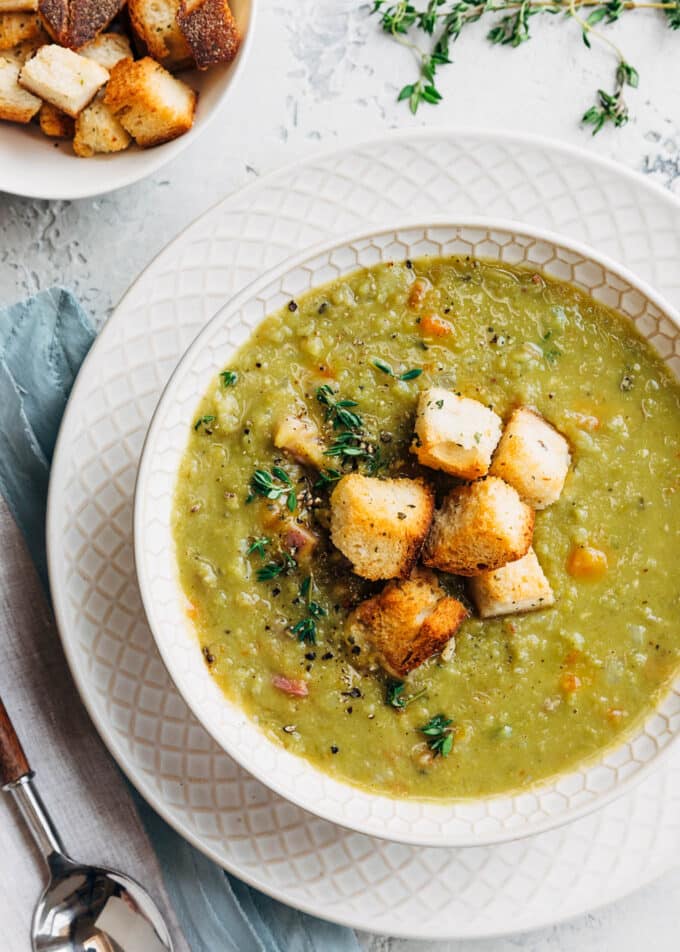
(13, 762)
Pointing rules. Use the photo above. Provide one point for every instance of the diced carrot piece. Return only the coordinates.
(570, 682)
(419, 289)
(587, 562)
(191, 611)
(433, 325)
(573, 656)
(296, 687)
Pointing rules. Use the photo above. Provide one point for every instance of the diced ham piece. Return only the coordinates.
(293, 686)
(299, 540)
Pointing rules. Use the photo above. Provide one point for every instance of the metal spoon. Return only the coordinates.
(83, 908)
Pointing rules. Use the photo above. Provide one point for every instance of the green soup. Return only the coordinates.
(528, 696)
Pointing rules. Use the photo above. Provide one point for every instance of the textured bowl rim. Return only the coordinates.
(364, 826)
(160, 155)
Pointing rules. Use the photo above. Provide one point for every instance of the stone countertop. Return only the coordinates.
(321, 75)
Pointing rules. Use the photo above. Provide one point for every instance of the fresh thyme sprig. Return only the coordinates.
(386, 369)
(356, 447)
(305, 629)
(205, 422)
(263, 483)
(327, 477)
(394, 695)
(228, 378)
(442, 21)
(274, 569)
(338, 411)
(258, 545)
(439, 735)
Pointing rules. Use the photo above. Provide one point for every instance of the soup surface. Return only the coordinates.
(527, 696)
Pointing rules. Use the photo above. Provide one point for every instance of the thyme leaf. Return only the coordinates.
(263, 483)
(228, 377)
(394, 695)
(439, 735)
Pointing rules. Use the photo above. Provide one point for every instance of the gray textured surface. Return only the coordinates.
(321, 76)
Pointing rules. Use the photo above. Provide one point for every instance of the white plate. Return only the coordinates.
(474, 822)
(368, 883)
(36, 166)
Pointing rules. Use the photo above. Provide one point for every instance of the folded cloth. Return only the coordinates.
(42, 343)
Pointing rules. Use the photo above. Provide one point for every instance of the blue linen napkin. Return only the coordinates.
(43, 341)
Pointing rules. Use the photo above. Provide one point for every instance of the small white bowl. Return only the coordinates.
(458, 823)
(32, 166)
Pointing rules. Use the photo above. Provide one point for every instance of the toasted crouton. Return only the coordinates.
(155, 25)
(519, 586)
(18, 6)
(480, 527)
(455, 434)
(407, 623)
(533, 457)
(16, 105)
(73, 23)
(107, 49)
(98, 130)
(299, 436)
(55, 123)
(210, 30)
(63, 78)
(149, 102)
(17, 27)
(380, 524)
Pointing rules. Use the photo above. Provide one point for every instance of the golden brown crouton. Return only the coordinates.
(63, 78)
(55, 123)
(519, 586)
(17, 27)
(299, 436)
(16, 105)
(73, 23)
(380, 524)
(407, 623)
(18, 6)
(107, 49)
(149, 102)
(454, 433)
(155, 25)
(480, 527)
(533, 457)
(98, 130)
(210, 30)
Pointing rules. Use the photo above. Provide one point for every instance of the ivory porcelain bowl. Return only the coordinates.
(33, 167)
(457, 823)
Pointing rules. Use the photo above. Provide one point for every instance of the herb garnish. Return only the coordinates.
(274, 569)
(327, 477)
(442, 21)
(439, 735)
(338, 411)
(229, 378)
(355, 446)
(386, 369)
(394, 695)
(264, 484)
(258, 545)
(305, 630)
(204, 421)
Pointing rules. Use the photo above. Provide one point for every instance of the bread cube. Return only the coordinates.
(210, 30)
(18, 6)
(17, 27)
(299, 436)
(149, 102)
(55, 123)
(480, 527)
(380, 524)
(155, 25)
(98, 130)
(16, 105)
(107, 49)
(519, 586)
(455, 434)
(63, 78)
(533, 457)
(407, 623)
(73, 23)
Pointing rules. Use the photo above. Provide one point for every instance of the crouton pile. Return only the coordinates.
(389, 529)
(101, 72)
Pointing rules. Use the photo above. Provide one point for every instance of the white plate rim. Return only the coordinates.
(527, 140)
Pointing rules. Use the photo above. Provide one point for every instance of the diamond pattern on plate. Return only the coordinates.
(303, 860)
